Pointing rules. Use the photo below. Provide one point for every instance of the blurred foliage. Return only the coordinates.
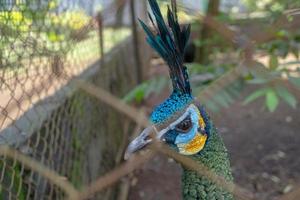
(144, 90)
(215, 42)
(285, 42)
(29, 26)
(274, 79)
(224, 97)
(44, 32)
(275, 83)
(271, 5)
(13, 22)
(203, 76)
(68, 26)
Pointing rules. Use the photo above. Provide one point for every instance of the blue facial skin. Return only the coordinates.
(174, 137)
(186, 137)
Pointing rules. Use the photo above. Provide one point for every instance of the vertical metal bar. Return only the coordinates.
(138, 63)
(101, 37)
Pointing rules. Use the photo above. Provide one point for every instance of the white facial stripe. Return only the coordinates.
(172, 126)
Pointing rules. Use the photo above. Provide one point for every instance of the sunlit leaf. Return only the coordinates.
(289, 98)
(211, 106)
(259, 80)
(139, 96)
(130, 96)
(272, 100)
(255, 95)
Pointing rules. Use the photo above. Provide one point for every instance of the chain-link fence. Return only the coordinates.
(65, 124)
(44, 45)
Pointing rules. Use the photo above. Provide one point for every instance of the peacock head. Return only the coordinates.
(178, 121)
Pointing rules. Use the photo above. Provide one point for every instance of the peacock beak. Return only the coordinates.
(139, 142)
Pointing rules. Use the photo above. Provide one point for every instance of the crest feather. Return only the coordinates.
(170, 43)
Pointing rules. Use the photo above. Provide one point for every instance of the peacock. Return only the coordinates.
(190, 130)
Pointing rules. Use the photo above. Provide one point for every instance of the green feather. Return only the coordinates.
(215, 157)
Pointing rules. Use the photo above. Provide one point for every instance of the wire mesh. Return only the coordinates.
(44, 45)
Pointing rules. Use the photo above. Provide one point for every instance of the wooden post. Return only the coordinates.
(145, 11)
(135, 37)
(207, 32)
(120, 5)
(101, 36)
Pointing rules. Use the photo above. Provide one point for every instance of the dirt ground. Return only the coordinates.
(264, 149)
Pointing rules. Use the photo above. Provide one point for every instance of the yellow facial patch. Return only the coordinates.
(193, 147)
(201, 123)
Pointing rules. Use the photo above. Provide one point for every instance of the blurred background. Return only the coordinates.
(243, 61)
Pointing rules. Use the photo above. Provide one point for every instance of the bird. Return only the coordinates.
(189, 130)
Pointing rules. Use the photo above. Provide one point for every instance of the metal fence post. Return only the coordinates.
(138, 63)
(101, 36)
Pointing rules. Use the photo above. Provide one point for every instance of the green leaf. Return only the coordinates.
(259, 80)
(255, 95)
(135, 93)
(219, 98)
(234, 89)
(139, 96)
(289, 98)
(282, 33)
(272, 100)
(227, 96)
(211, 106)
(142, 91)
(198, 43)
(273, 62)
(296, 62)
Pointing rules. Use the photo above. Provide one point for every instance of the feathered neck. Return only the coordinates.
(215, 157)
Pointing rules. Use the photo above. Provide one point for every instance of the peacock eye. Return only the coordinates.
(185, 125)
